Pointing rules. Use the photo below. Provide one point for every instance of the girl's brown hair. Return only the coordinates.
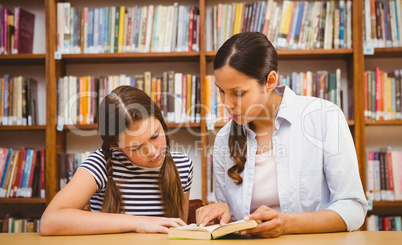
(252, 54)
(118, 111)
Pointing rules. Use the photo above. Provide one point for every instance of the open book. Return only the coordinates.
(193, 231)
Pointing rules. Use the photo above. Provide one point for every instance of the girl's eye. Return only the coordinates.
(134, 149)
(155, 136)
(221, 91)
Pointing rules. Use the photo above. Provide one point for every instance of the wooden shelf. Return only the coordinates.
(386, 53)
(383, 122)
(95, 126)
(23, 200)
(221, 124)
(130, 57)
(22, 59)
(387, 204)
(23, 128)
(313, 54)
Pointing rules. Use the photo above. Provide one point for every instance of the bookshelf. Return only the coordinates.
(353, 60)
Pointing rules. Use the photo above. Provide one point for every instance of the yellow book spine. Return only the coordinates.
(240, 17)
(236, 20)
(121, 29)
(208, 94)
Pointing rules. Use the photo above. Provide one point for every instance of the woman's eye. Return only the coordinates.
(155, 136)
(239, 94)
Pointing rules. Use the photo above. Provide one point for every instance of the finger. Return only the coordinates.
(263, 215)
(163, 229)
(179, 222)
(225, 218)
(264, 227)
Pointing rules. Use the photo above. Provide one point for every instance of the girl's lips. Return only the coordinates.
(156, 159)
(234, 116)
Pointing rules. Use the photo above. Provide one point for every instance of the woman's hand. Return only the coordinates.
(272, 225)
(146, 224)
(206, 215)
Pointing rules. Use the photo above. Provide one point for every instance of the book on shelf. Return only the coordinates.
(68, 165)
(15, 224)
(193, 231)
(19, 101)
(383, 223)
(22, 173)
(78, 97)
(288, 24)
(384, 175)
(382, 100)
(382, 23)
(120, 29)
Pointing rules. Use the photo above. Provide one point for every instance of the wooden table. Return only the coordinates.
(342, 238)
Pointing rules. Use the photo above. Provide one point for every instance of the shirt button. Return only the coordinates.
(285, 210)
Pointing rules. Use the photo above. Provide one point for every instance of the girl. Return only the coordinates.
(284, 159)
(132, 183)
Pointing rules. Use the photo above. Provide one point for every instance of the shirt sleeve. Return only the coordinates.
(185, 168)
(342, 171)
(96, 165)
(220, 153)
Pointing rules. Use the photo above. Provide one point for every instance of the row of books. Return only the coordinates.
(292, 25)
(176, 94)
(384, 175)
(22, 173)
(68, 165)
(380, 223)
(216, 111)
(320, 84)
(16, 31)
(12, 224)
(382, 100)
(18, 101)
(382, 23)
(127, 29)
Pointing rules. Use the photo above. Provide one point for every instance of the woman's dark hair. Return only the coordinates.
(252, 54)
(118, 111)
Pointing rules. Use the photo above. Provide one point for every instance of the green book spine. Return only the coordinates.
(332, 87)
(116, 30)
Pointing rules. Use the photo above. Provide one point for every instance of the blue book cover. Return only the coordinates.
(6, 94)
(90, 29)
(296, 7)
(106, 29)
(396, 17)
(6, 167)
(342, 24)
(299, 23)
(133, 82)
(155, 36)
(398, 225)
(101, 30)
(261, 16)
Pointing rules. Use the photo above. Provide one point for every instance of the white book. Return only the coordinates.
(156, 29)
(65, 100)
(349, 24)
(149, 28)
(162, 28)
(215, 28)
(395, 176)
(393, 23)
(338, 87)
(174, 32)
(229, 20)
(178, 79)
(367, 21)
(95, 31)
(180, 29)
(112, 20)
(142, 29)
(66, 28)
(60, 27)
(208, 29)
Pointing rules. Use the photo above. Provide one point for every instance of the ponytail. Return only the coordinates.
(112, 202)
(238, 151)
(170, 185)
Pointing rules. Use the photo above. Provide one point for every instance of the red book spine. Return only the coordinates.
(16, 29)
(191, 26)
(390, 176)
(42, 174)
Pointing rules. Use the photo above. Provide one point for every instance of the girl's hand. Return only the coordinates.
(206, 215)
(146, 224)
(272, 225)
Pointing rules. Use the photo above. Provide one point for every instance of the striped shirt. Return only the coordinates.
(138, 185)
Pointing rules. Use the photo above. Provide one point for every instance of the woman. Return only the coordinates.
(284, 159)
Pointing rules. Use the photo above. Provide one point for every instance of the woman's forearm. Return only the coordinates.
(313, 222)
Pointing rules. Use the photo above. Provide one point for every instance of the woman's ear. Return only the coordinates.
(271, 81)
